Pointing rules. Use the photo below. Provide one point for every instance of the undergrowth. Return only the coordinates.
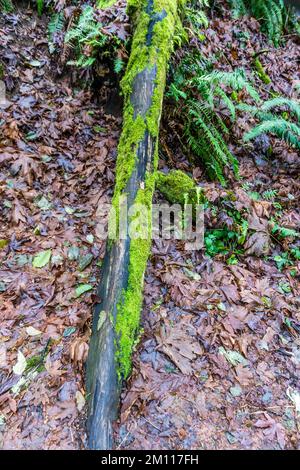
(272, 15)
(209, 101)
(279, 116)
(86, 38)
(90, 43)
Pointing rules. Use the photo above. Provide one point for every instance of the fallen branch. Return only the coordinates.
(117, 316)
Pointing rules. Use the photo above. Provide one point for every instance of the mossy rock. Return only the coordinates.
(178, 188)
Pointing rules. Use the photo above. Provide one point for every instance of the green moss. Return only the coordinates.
(128, 310)
(144, 55)
(133, 132)
(178, 188)
(261, 72)
(105, 3)
(35, 362)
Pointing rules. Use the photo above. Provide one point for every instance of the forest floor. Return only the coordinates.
(218, 363)
(57, 157)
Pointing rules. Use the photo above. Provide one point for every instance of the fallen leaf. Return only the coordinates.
(180, 347)
(233, 357)
(80, 400)
(20, 365)
(82, 288)
(31, 331)
(41, 259)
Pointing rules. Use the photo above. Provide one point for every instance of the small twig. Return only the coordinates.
(177, 263)
(156, 427)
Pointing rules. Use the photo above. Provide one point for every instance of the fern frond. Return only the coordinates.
(227, 102)
(205, 135)
(235, 80)
(55, 26)
(86, 28)
(6, 6)
(270, 194)
(87, 31)
(284, 231)
(196, 18)
(40, 6)
(269, 12)
(239, 8)
(293, 106)
(286, 130)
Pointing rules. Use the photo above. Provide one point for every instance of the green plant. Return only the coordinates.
(285, 125)
(208, 101)
(86, 37)
(195, 17)
(91, 41)
(6, 6)
(118, 65)
(282, 261)
(207, 127)
(287, 258)
(205, 132)
(270, 13)
(264, 77)
(40, 6)
(295, 252)
(55, 26)
(284, 232)
(105, 3)
(229, 238)
(212, 84)
(223, 241)
(269, 194)
(282, 128)
(288, 104)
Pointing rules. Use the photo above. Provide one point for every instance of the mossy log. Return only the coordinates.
(117, 315)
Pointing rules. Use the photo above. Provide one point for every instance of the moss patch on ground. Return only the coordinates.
(178, 188)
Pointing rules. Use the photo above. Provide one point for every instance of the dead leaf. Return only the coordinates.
(180, 347)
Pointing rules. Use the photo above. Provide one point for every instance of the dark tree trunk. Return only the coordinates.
(104, 374)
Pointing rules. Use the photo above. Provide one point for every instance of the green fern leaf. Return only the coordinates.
(40, 6)
(286, 130)
(6, 6)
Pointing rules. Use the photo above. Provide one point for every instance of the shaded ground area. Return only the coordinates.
(57, 156)
(218, 364)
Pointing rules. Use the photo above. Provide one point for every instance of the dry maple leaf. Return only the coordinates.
(257, 244)
(53, 368)
(12, 131)
(18, 213)
(27, 166)
(244, 375)
(180, 347)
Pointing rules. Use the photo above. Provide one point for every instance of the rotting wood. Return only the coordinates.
(117, 315)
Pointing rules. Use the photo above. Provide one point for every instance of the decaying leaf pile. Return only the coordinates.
(57, 158)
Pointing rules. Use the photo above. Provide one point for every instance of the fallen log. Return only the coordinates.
(117, 315)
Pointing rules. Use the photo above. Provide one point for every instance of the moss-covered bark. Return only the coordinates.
(117, 316)
(151, 49)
